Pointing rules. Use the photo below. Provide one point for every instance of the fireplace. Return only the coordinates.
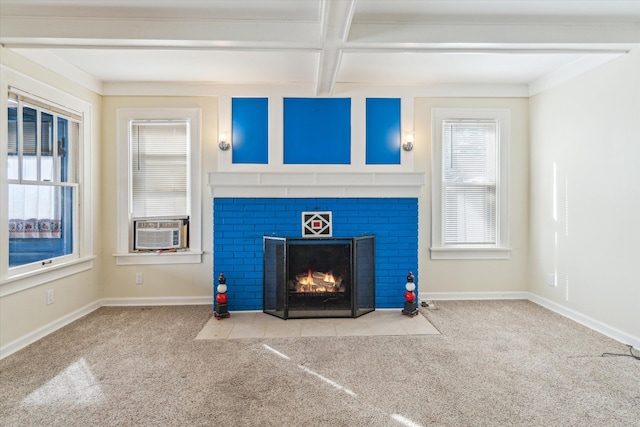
(318, 277)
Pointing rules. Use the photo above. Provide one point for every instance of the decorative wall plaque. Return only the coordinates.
(316, 224)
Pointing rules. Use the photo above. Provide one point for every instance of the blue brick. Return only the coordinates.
(277, 207)
(281, 219)
(255, 207)
(223, 255)
(223, 241)
(222, 207)
(240, 269)
(233, 220)
(220, 213)
(253, 275)
(250, 258)
(386, 251)
(242, 255)
(389, 295)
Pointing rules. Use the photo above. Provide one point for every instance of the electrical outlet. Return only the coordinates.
(139, 279)
(551, 279)
(50, 296)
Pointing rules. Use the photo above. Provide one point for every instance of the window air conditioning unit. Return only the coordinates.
(160, 234)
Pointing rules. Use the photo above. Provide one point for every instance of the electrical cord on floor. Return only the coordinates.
(623, 355)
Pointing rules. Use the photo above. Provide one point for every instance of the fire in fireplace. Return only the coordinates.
(320, 277)
(316, 282)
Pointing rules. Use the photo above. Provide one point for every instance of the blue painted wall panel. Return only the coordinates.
(383, 131)
(250, 130)
(238, 249)
(317, 131)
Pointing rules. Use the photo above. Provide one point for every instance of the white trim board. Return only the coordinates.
(461, 296)
(569, 313)
(156, 301)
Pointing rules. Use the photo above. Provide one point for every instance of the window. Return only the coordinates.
(158, 177)
(470, 184)
(42, 182)
(46, 205)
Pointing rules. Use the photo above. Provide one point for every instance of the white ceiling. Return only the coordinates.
(321, 43)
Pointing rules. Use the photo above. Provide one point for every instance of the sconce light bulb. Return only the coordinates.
(408, 144)
(223, 144)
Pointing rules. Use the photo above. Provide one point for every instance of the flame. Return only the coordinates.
(307, 280)
(318, 282)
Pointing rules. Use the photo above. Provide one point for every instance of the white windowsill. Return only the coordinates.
(39, 277)
(470, 253)
(189, 257)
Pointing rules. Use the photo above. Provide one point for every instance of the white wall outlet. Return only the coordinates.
(551, 279)
(139, 279)
(50, 296)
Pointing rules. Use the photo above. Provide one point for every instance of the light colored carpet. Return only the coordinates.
(494, 363)
(261, 325)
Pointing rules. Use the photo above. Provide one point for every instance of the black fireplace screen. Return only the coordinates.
(332, 277)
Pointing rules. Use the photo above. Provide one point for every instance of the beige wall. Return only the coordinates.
(26, 312)
(589, 128)
(446, 276)
(176, 280)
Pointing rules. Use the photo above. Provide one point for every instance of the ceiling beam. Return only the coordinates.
(336, 23)
(416, 34)
(143, 33)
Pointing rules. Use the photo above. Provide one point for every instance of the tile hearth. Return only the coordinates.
(261, 325)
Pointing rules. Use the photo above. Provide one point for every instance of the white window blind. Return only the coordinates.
(159, 168)
(469, 181)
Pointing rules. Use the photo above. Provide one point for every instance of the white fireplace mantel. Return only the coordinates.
(315, 184)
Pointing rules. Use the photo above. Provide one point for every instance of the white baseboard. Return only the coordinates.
(434, 296)
(587, 321)
(569, 313)
(123, 302)
(45, 330)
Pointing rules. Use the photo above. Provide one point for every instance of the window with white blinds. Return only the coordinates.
(159, 168)
(158, 176)
(470, 183)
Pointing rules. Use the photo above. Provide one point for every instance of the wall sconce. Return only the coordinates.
(223, 144)
(408, 142)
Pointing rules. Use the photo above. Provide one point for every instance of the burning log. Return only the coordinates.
(317, 281)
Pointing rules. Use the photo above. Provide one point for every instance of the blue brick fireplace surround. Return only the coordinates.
(239, 225)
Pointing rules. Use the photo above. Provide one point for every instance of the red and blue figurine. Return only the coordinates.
(410, 306)
(221, 311)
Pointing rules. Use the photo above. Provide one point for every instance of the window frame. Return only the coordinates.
(124, 249)
(501, 249)
(18, 278)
